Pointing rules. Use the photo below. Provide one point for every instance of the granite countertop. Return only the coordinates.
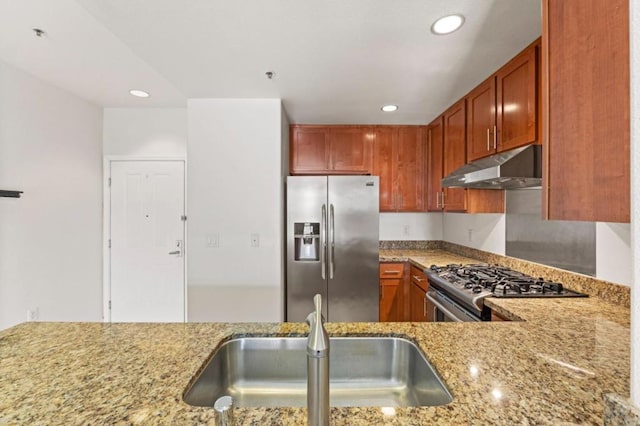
(553, 367)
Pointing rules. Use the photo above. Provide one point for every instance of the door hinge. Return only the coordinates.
(109, 182)
(109, 304)
(109, 243)
(183, 218)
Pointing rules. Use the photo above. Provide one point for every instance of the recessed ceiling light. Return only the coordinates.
(389, 108)
(447, 24)
(139, 93)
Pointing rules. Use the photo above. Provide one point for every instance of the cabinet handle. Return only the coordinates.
(417, 278)
(437, 200)
(495, 137)
(391, 272)
(424, 306)
(488, 132)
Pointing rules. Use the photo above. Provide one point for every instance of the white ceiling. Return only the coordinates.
(335, 61)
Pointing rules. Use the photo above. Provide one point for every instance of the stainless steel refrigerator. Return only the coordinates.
(332, 247)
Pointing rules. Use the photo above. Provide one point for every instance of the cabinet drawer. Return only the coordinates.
(391, 270)
(419, 278)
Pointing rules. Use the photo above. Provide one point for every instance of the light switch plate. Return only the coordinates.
(212, 240)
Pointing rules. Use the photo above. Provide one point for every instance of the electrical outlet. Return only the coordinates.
(33, 314)
(255, 240)
(406, 230)
(212, 240)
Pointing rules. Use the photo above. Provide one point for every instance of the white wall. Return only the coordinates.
(234, 190)
(160, 132)
(50, 239)
(613, 252)
(480, 231)
(411, 226)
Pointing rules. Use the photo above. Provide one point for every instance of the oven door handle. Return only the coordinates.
(444, 310)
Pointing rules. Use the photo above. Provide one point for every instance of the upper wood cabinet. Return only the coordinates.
(517, 109)
(455, 199)
(433, 171)
(481, 120)
(449, 130)
(330, 149)
(503, 112)
(309, 149)
(398, 159)
(585, 55)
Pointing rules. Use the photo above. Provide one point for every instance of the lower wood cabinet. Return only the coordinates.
(497, 317)
(417, 296)
(391, 292)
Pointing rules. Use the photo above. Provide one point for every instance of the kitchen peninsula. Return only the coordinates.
(545, 369)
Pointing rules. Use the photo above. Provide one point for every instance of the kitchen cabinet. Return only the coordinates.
(434, 170)
(586, 164)
(398, 159)
(497, 317)
(330, 149)
(454, 199)
(503, 112)
(418, 300)
(454, 144)
(391, 292)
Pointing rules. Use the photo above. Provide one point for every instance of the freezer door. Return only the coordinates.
(353, 258)
(306, 196)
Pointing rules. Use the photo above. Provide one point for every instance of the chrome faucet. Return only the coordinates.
(317, 368)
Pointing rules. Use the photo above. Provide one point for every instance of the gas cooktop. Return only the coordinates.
(497, 281)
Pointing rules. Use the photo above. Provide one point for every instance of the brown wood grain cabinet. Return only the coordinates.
(481, 120)
(585, 55)
(517, 103)
(454, 151)
(391, 292)
(433, 171)
(330, 149)
(398, 159)
(503, 111)
(454, 147)
(418, 301)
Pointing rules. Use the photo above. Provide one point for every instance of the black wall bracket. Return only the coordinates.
(10, 194)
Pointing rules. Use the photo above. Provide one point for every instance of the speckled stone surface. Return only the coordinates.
(449, 252)
(411, 245)
(611, 292)
(93, 373)
(620, 411)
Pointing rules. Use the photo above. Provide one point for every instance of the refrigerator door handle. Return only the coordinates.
(323, 241)
(332, 242)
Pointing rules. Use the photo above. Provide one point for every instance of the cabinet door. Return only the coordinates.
(481, 122)
(517, 109)
(434, 165)
(418, 308)
(390, 299)
(586, 112)
(383, 164)
(309, 149)
(454, 154)
(350, 149)
(409, 169)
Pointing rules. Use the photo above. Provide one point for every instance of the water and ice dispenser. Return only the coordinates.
(307, 241)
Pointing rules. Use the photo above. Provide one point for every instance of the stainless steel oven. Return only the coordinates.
(444, 309)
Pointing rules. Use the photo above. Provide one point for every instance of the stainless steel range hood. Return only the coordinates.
(517, 168)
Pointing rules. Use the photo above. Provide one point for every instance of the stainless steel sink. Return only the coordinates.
(364, 371)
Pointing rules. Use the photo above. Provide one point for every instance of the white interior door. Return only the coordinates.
(147, 241)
